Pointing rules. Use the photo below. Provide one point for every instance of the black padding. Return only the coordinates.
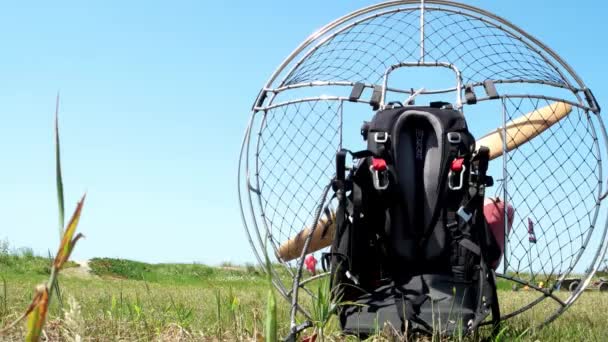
(372, 311)
(341, 165)
(364, 130)
(376, 97)
(490, 88)
(261, 99)
(469, 94)
(426, 302)
(402, 241)
(441, 105)
(417, 145)
(355, 94)
(595, 106)
(448, 307)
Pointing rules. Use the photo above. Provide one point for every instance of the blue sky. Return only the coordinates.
(155, 96)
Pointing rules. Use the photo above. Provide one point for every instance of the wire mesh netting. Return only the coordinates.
(554, 181)
(364, 50)
(296, 156)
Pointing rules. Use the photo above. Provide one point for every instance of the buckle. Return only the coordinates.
(454, 137)
(464, 215)
(380, 178)
(458, 186)
(379, 139)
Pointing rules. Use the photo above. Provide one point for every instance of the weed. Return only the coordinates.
(74, 323)
(183, 313)
(4, 300)
(218, 306)
(37, 311)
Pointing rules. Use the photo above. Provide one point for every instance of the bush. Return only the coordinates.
(603, 271)
(119, 268)
(4, 247)
(26, 252)
(252, 270)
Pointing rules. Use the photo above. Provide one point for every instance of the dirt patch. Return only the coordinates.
(82, 271)
(232, 268)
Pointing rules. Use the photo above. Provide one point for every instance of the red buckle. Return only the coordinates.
(379, 164)
(457, 164)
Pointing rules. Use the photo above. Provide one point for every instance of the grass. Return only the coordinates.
(25, 262)
(222, 304)
(192, 302)
(183, 274)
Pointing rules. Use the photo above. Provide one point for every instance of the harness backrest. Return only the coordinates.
(419, 145)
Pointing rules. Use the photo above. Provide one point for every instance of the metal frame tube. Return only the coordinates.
(418, 64)
(421, 31)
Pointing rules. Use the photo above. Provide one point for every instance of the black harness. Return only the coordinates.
(383, 238)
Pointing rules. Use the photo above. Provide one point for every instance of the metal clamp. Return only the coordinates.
(460, 182)
(378, 184)
(454, 137)
(381, 140)
(464, 215)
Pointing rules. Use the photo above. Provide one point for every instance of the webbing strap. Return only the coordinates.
(483, 157)
(471, 246)
(483, 236)
(449, 199)
(329, 220)
(409, 309)
(457, 211)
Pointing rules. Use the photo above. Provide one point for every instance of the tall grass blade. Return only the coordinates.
(499, 337)
(4, 299)
(58, 175)
(271, 318)
(218, 307)
(60, 199)
(271, 306)
(56, 288)
(37, 311)
(523, 334)
(37, 316)
(68, 241)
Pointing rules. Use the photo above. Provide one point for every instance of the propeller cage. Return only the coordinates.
(314, 104)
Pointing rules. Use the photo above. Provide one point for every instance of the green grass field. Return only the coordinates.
(130, 301)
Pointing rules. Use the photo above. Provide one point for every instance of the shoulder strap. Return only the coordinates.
(447, 199)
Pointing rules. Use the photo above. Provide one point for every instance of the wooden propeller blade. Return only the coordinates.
(524, 128)
(519, 131)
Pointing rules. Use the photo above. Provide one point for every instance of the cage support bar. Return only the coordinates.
(505, 175)
(448, 65)
(298, 275)
(421, 31)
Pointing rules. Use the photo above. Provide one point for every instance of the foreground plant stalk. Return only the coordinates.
(38, 309)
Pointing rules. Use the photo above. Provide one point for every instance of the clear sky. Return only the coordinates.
(155, 97)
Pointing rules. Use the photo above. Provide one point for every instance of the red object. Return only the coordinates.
(311, 338)
(457, 164)
(531, 235)
(310, 262)
(493, 211)
(379, 164)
